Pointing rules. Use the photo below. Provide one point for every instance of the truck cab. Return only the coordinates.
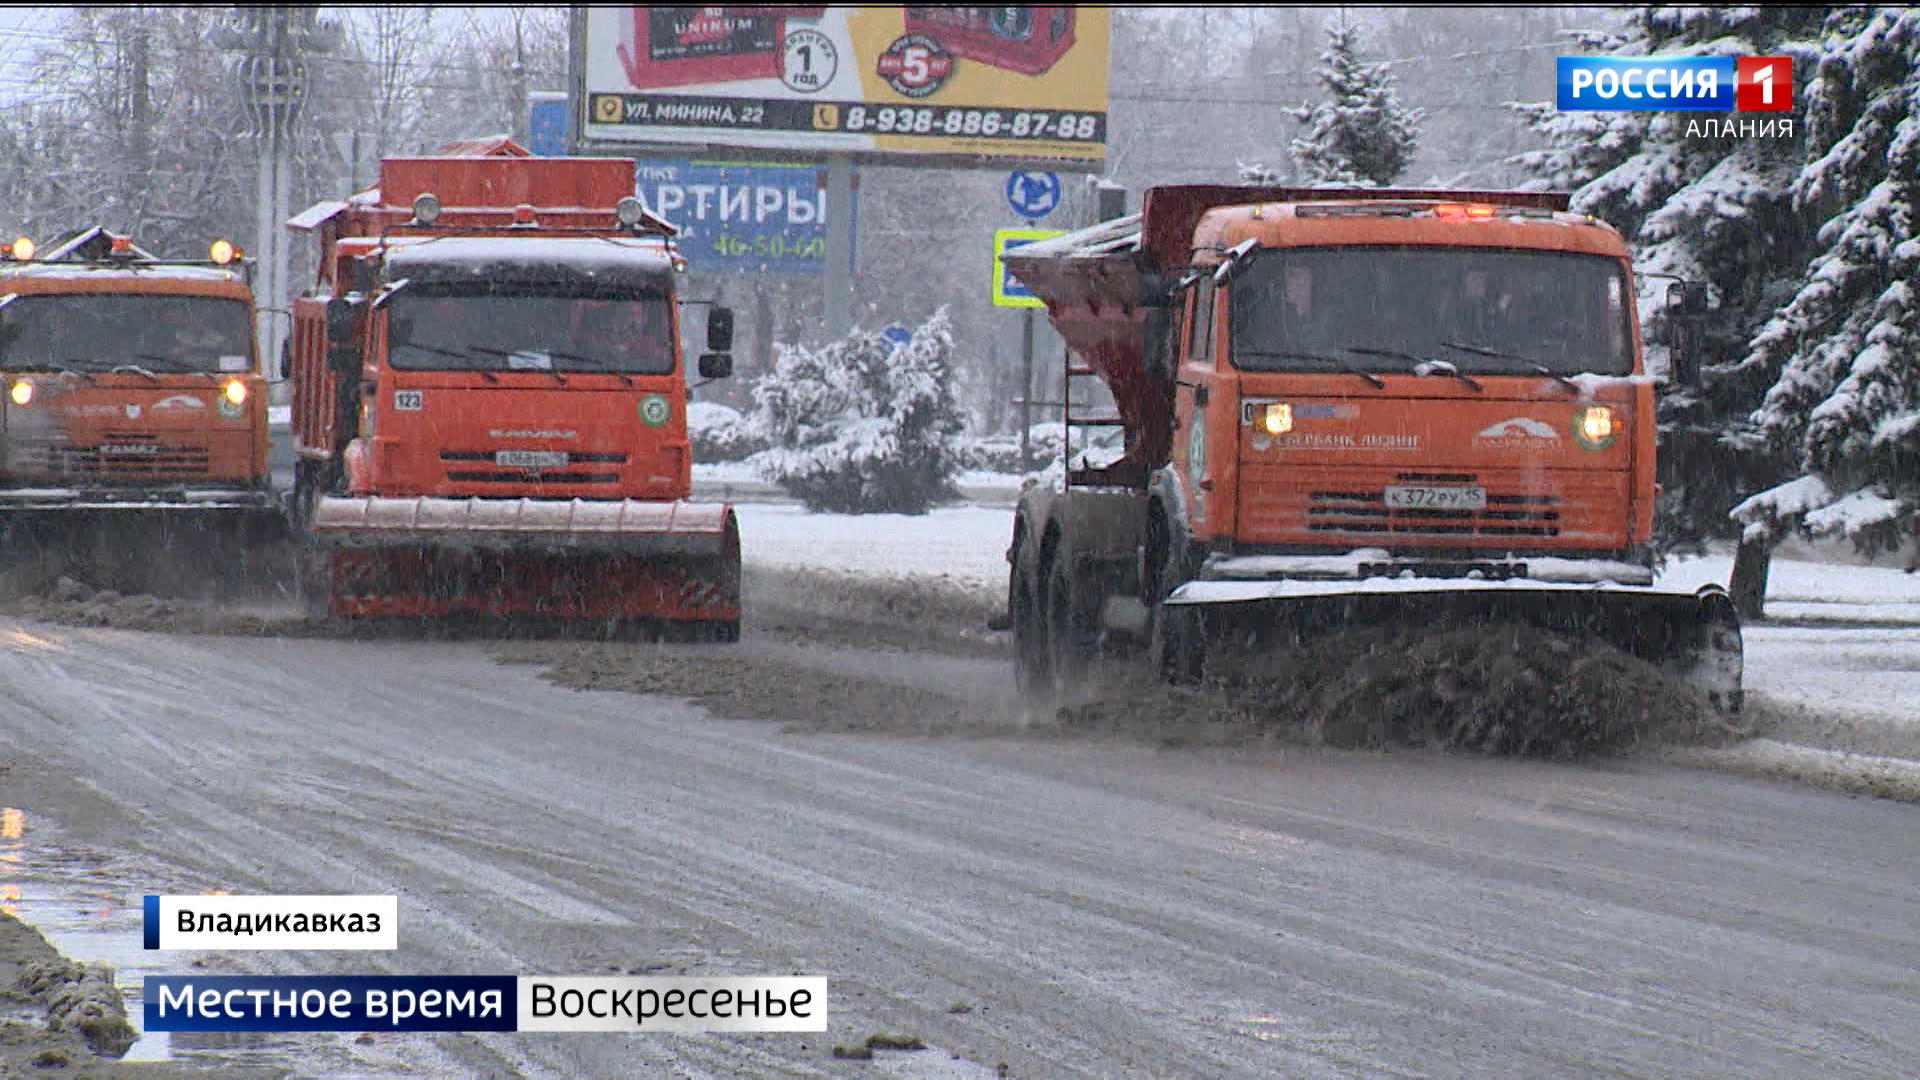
(1442, 387)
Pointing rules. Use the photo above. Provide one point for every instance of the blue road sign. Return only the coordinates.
(1007, 290)
(547, 127)
(1033, 195)
(896, 335)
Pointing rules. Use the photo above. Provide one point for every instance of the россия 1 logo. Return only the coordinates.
(1662, 83)
(1746, 84)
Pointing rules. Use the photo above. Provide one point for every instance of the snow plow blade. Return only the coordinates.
(1694, 635)
(565, 558)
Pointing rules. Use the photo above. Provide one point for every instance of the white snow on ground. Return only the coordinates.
(741, 480)
(1797, 589)
(965, 543)
(725, 472)
(1869, 675)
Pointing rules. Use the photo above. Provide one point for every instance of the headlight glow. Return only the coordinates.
(236, 391)
(1276, 418)
(1595, 426)
(21, 393)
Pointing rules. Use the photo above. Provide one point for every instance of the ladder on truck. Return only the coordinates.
(1087, 420)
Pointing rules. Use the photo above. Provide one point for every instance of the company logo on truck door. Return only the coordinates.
(654, 410)
(1518, 433)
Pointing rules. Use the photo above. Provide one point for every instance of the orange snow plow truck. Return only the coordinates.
(1350, 407)
(134, 413)
(489, 402)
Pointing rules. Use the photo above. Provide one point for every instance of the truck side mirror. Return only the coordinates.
(340, 312)
(719, 330)
(717, 361)
(1686, 303)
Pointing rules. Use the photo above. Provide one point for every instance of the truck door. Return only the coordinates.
(1192, 373)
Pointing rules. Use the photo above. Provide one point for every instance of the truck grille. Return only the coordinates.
(1367, 512)
(119, 455)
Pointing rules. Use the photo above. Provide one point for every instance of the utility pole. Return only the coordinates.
(139, 159)
(271, 76)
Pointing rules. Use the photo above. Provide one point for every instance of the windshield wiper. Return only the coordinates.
(484, 373)
(1284, 354)
(597, 364)
(1422, 366)
(1532, 365)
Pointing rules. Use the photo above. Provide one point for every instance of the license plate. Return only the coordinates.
(530, 459)
(1424, 497)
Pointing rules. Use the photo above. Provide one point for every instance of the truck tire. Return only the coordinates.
(1032, 675)
(1069, 640)
(1179, 643)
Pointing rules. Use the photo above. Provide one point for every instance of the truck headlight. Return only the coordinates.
(1595, 426)
(21, 392)
(236, 391)
(1276, 418)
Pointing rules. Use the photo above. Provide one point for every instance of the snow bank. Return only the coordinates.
(1886, 777)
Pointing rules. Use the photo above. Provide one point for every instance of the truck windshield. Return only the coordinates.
(519, 331)
(101, 331)
(1388, 309)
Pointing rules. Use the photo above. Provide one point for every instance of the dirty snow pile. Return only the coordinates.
(1507, 690)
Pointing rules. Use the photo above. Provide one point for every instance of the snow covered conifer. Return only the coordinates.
(860, 426)
(1703, 207)
(1363, 135)
(1846, 402)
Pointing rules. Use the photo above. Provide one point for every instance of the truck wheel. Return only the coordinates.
(1179, 651)
(312, 580)
(1069, 644)
(1031, 672)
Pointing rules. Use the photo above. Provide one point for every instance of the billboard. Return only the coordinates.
(738, 216)
(1010, 84)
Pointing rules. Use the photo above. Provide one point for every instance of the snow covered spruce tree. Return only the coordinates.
(1363, 135)
(1845, 406)
(1703, 207)
(861, 426)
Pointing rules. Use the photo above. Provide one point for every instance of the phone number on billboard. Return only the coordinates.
(773, 246)
(977, 123)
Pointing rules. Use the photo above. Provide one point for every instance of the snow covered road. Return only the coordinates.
(1101, 909)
